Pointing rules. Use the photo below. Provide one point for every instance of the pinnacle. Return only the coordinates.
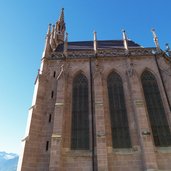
(61, 17)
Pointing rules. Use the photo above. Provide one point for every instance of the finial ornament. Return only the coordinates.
(49, 29)
(125, 39)
(52, 41)
(155, 40)
(167, 47)
(168, 51)
(60, 29)
(47, 47)
(66, 37)
(95, 42)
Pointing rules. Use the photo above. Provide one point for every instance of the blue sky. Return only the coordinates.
(23, 25)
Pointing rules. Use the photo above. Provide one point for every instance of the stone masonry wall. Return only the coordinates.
(142, 156)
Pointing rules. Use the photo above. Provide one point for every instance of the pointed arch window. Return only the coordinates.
(80, 114)
(118, 113)
(157, 115)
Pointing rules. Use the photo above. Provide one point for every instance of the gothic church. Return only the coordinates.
(99, 106)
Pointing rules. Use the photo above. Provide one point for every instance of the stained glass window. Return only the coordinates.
(80, 114)
(157, 115)
(118, 113)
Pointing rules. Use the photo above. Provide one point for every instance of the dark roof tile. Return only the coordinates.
(101, 44)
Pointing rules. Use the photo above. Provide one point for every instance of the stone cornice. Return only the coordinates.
(101, 53)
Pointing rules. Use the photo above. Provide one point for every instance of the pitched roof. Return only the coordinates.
(101, 44)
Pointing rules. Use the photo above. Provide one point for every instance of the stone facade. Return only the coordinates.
(47, 144)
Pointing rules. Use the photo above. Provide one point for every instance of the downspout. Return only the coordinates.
(92, 117)
(162, 81)
(156, 52)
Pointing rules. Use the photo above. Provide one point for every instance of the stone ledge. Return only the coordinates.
(156, 170)
(125, 151)
(163, 150)
(79, 153)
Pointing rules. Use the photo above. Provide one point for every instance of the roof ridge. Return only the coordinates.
(100, 40)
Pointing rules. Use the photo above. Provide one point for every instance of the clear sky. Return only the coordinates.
(23, 25)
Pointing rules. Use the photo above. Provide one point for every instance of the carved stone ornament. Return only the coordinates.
(98, 69)
(64, 69)
(130, 70)
(117, 52)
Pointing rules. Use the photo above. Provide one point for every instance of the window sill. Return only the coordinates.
(132, 150)
(163, 149)
(79, 153)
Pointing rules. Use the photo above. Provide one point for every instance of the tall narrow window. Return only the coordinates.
(54, 74)
(80, 114)
(118, 113)
(47, 145)
(52, 94)
(157, 115)
(50, 118)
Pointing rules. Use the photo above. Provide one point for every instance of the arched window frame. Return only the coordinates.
(157, 140)
(86, 143)
(119, 143)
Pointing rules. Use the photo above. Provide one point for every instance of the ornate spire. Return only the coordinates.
(156, 40)
(60, 29)
(58, 32)
(125, 39)
(61, 17)
(95, 42)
